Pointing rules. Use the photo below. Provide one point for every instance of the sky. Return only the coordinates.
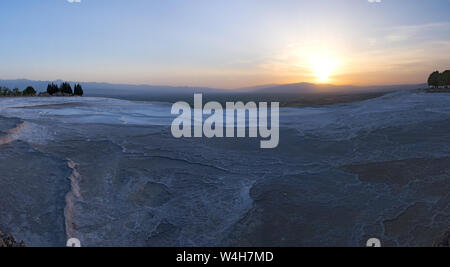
(225, 43)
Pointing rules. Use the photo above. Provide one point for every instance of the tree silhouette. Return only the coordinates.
(29, 91)
(52, 89)
(433, 80)
(438, 80)
(446, 78)
(5, 91)
(78, 90)
(441, 82)
(66, 88)
(16, 92)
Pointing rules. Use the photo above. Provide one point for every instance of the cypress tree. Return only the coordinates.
(78, 90)
(66, 88)
(52, 89)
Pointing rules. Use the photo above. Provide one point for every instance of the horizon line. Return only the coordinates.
(216, 88)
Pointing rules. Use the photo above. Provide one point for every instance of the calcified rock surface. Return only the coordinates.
(109, 173)
(8, 241)
(444, 241)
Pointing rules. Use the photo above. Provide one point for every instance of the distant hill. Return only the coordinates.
(103, 89)
(152, 91)
(309, 88)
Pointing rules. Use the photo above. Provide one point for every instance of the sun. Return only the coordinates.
(323, 68)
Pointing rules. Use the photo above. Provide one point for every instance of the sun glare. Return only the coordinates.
(323, 68)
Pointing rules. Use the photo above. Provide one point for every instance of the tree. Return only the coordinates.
(7, 91)
(446, 78)
(441, 82)
(78, 90)
(66, 88)
(52, 89)
(433, 80)
(29, 91)
(16, 92)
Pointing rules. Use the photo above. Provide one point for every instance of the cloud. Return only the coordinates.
(421, 32)
(374, 1)
(74, 1)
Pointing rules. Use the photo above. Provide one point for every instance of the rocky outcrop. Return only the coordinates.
(9, 241)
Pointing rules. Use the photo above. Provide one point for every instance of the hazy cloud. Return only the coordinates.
(74, 1)
(421, 32)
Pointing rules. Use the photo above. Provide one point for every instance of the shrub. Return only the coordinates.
(29, 91)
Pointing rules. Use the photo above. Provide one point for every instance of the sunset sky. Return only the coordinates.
(225, 43)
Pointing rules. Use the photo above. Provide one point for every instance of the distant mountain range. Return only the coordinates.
(309, 88)
(108, 89)
(97, 88)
